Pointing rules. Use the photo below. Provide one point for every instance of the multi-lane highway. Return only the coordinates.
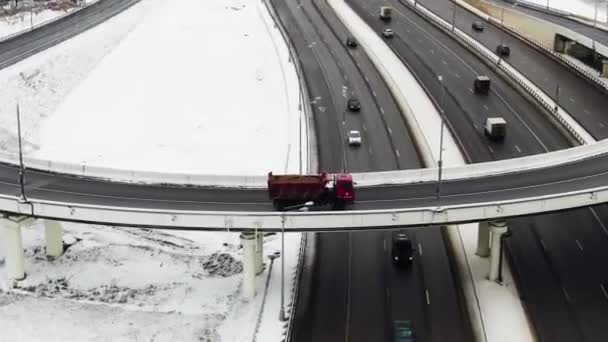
(554, 256)
(16, 49)
(355, 292)
(594, 33)
(583, 100)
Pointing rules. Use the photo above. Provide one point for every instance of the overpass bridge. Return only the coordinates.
(531, 185)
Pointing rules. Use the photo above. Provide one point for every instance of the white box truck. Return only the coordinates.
(495, 128)
(385, 13)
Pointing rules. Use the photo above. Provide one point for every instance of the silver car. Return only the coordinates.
(388, 33)
(354, 138)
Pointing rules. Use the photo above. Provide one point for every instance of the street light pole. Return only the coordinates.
(556, 97)
(300, 144)
(440, 162)
(453, 15)
(595, 16)
(502, 23)
(21, 167)
(282, 316)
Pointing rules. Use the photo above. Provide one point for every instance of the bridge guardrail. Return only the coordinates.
(368, 179)
(510, 71)
(304, 97)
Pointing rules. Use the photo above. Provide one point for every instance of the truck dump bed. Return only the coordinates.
(295, 187)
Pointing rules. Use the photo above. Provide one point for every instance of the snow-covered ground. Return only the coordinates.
(201, 84)
(198, 83)
(125, 284)
(189, 86)
(585, 8)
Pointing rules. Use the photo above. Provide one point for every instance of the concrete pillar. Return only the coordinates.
(497, 228)
(13, 246)
(605, 68)
(259, 253)
(54, 238)
(483, 240)
(248, 288)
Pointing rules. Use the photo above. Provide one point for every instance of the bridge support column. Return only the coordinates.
(53, 233)
(248, 288)
(483, 239)
(498, 228)
(13, 246)
(605, 68)
(259, 252)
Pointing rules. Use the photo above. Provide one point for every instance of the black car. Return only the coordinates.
(351, 42)
(503, 50)
(478, 26)
(402, 251)
(353, 105)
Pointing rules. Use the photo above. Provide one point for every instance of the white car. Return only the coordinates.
(388, 33)
(354, 138)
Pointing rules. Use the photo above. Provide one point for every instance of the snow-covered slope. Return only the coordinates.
(190, 86)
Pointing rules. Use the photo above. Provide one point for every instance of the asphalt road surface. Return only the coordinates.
(20, 47)
(583, 100)
(559, 259)
(355, 292)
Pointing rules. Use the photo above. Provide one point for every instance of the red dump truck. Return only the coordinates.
(325, 188)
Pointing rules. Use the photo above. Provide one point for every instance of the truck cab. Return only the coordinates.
(344, 189)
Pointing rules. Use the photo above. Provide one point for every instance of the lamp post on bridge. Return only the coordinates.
(440, 162)
(21, 167)
(282, 316)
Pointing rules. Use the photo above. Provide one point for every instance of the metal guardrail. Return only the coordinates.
(550, 107)
(305, 106)
(46, 22)
(304, 97)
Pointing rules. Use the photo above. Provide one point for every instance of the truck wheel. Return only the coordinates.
(278, 205)
(338, 205)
